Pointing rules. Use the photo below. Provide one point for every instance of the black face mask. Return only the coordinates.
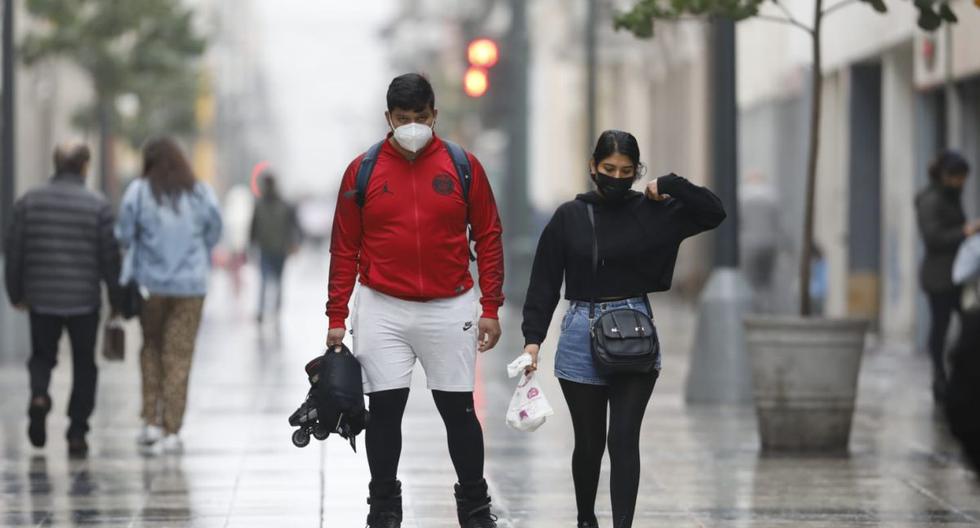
(613, 189)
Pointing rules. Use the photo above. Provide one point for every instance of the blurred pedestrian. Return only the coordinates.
(637, 237)
(963, 398)
(59, 248)
(943, 226)
(170, 222)
(275, 233)
(402, 228)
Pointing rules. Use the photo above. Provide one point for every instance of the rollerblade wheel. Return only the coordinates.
(301, 438)
(320, 432)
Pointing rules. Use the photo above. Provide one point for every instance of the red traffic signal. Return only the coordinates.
(483, 53)
(475, 82)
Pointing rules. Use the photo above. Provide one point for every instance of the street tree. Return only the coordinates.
(141, 56)
(640, 20)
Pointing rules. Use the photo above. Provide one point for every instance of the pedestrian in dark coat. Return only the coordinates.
(943, 225)
(59, 248)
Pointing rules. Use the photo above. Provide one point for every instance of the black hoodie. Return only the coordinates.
(638, 243)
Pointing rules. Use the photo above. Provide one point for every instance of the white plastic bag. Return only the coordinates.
(528, 407)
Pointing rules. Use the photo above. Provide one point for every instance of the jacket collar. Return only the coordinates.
(68, 177)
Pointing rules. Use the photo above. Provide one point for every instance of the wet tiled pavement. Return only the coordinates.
(701, 465)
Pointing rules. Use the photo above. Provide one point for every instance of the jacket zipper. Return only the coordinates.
(418, 229)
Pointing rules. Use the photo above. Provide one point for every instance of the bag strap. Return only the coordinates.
(595, 261)
(595, 268)
(137, 228)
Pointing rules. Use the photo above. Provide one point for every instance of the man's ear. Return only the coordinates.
(388, 120)
(592, 167)
(435, 116)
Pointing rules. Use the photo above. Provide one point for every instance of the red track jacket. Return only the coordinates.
(409, 240)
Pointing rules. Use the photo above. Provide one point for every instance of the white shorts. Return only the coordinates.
(390, 334)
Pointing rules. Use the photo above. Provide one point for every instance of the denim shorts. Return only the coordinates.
(573, 361)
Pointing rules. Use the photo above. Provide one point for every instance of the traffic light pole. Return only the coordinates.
(591, 27)
(719, 371)
(7, 151)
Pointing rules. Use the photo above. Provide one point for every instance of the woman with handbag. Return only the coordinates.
(612, 247)
(170, 222)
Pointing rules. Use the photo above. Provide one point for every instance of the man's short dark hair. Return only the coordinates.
(71, 158)
(411, 91)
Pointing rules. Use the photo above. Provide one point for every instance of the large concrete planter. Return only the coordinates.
(804, 380)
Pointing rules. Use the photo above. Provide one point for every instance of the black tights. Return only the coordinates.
(626, 399)
(383, 436)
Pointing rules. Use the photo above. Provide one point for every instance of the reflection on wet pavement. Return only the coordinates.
(701, 465)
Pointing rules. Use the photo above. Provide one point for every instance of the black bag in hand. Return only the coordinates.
(623, 340)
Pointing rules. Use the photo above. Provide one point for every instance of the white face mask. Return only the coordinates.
(413, 136)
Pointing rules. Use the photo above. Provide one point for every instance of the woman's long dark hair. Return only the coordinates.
(616, 141)
(167, 170)
(949, 162)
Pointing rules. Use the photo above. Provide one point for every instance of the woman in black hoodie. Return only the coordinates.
(638, 238)
(942, 222)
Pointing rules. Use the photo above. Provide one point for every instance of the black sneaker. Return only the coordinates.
(473, 506)
(588, 524)
(38, 414)
(77, 447)
(386, 505)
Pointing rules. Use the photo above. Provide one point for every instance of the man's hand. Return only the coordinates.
(21, 307)
(653, 193)
(335, 337)
(489, 333)
(971, 228)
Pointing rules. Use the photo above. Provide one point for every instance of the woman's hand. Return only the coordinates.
(532, 350)
(653, 193)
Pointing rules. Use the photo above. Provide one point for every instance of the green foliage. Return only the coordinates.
(640, 20)
(147, 48)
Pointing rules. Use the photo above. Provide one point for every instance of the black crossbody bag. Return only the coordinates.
(623, 340)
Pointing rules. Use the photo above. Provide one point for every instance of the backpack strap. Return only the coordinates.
(364, 171)
(463, 170)
(465, 174)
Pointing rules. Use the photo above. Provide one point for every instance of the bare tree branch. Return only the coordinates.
(838, 5)
(789, 16)
(789, 21)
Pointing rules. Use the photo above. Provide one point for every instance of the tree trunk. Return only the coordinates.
(106, 168)
(811, 169)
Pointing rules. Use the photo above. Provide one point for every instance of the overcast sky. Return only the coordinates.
(327, 72)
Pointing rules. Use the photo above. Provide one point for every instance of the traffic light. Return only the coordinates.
(476, 82)
(482, 54)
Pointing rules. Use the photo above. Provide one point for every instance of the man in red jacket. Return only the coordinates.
(404, 235)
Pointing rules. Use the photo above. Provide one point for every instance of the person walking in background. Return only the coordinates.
(275, 233)
(59, 248)
(637, 238)
(963, 398)
(403, 232)
(943, 226)
(170, 222)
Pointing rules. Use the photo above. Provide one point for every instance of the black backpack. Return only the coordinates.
(460, 161)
